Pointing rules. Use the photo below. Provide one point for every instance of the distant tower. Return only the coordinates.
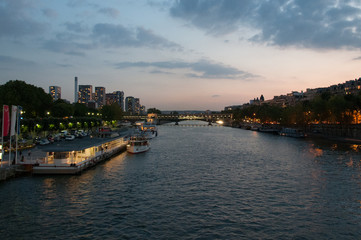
(76, 90)
(85, 94)
(99, 96)
(55, 92)
(130, 105)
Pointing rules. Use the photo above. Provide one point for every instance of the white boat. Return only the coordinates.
(138, 144)
(149, 130)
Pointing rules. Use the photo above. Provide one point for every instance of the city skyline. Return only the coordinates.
(181, 55)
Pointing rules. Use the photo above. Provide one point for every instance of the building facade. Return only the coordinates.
(137, 106)
(85, 94)
(100, 96)
(130, 105)
(55, 92)
(115, 97)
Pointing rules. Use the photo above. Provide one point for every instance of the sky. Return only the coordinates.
(181, 54)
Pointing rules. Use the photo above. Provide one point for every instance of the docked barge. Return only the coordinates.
(72, 158)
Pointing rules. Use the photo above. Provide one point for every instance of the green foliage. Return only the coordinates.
(112, 112)
(325, 108)
(62, 109)
(34, 100)
(154, 110)
(80, 110)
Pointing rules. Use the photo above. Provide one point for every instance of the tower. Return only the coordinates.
(85, 94)
(55, 92)
(76, 90)
(99, 96)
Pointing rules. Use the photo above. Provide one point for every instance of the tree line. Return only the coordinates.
(325, 108)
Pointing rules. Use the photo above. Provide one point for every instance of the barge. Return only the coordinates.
(74, 158)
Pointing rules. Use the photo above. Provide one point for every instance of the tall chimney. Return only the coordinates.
(76, 90)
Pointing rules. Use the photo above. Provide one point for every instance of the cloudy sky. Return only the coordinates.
(185, 54)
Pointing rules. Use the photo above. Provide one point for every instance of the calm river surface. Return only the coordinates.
(197, 183)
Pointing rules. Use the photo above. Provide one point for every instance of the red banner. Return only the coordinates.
(6, 122)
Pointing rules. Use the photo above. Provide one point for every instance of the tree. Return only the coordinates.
(80, 110)
(112, 112)
(320, 109)
(62, 109)
(154, 110)
(34, 101)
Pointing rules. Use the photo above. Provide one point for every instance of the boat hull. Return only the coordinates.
(138, 144)
(137, 149)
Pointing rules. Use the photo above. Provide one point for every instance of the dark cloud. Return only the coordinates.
(200, 69)
(66, 47)
(14, 22)
(75, 27)
(306, 23)
(10, 62)
(216, 96)
(111, 35)
(76, 39)
(161, 72)
(110, 12)
(77, 3)
(50, 13)
(65, 65)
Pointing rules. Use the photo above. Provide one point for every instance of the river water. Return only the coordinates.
(197, 182)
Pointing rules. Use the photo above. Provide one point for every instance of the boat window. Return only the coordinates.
(61, 155)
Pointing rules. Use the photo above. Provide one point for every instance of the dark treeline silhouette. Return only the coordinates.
(324, 108)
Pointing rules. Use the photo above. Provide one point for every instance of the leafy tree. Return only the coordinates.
(154, 110)
(62, 109)
(34, 101)
(80, 110)
(320, 109)
(112, 112)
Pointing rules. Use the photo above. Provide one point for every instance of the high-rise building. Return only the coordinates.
(85, 94)
(130, 105)
(115, 97)
(55, 92)
(99, 96)
(76, 89)
(137, 106)
(142, 110)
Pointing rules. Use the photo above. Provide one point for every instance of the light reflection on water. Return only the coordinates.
(197, 182)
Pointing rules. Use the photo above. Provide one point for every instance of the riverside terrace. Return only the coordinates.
(74, 156)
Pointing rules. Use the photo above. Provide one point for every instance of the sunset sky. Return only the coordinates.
(181, 55)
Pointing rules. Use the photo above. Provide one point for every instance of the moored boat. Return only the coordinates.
(138, 144)
(292, 132)
(149, 130)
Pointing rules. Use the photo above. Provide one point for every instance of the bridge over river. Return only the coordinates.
(226, 118)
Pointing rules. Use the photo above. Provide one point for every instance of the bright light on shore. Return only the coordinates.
(219, 122)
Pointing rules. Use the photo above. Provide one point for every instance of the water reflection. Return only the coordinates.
(315, 151)
(355, 147)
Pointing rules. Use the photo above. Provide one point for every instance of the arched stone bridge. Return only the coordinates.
(227, 118)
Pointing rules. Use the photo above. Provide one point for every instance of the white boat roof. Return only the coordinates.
(76, 144)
